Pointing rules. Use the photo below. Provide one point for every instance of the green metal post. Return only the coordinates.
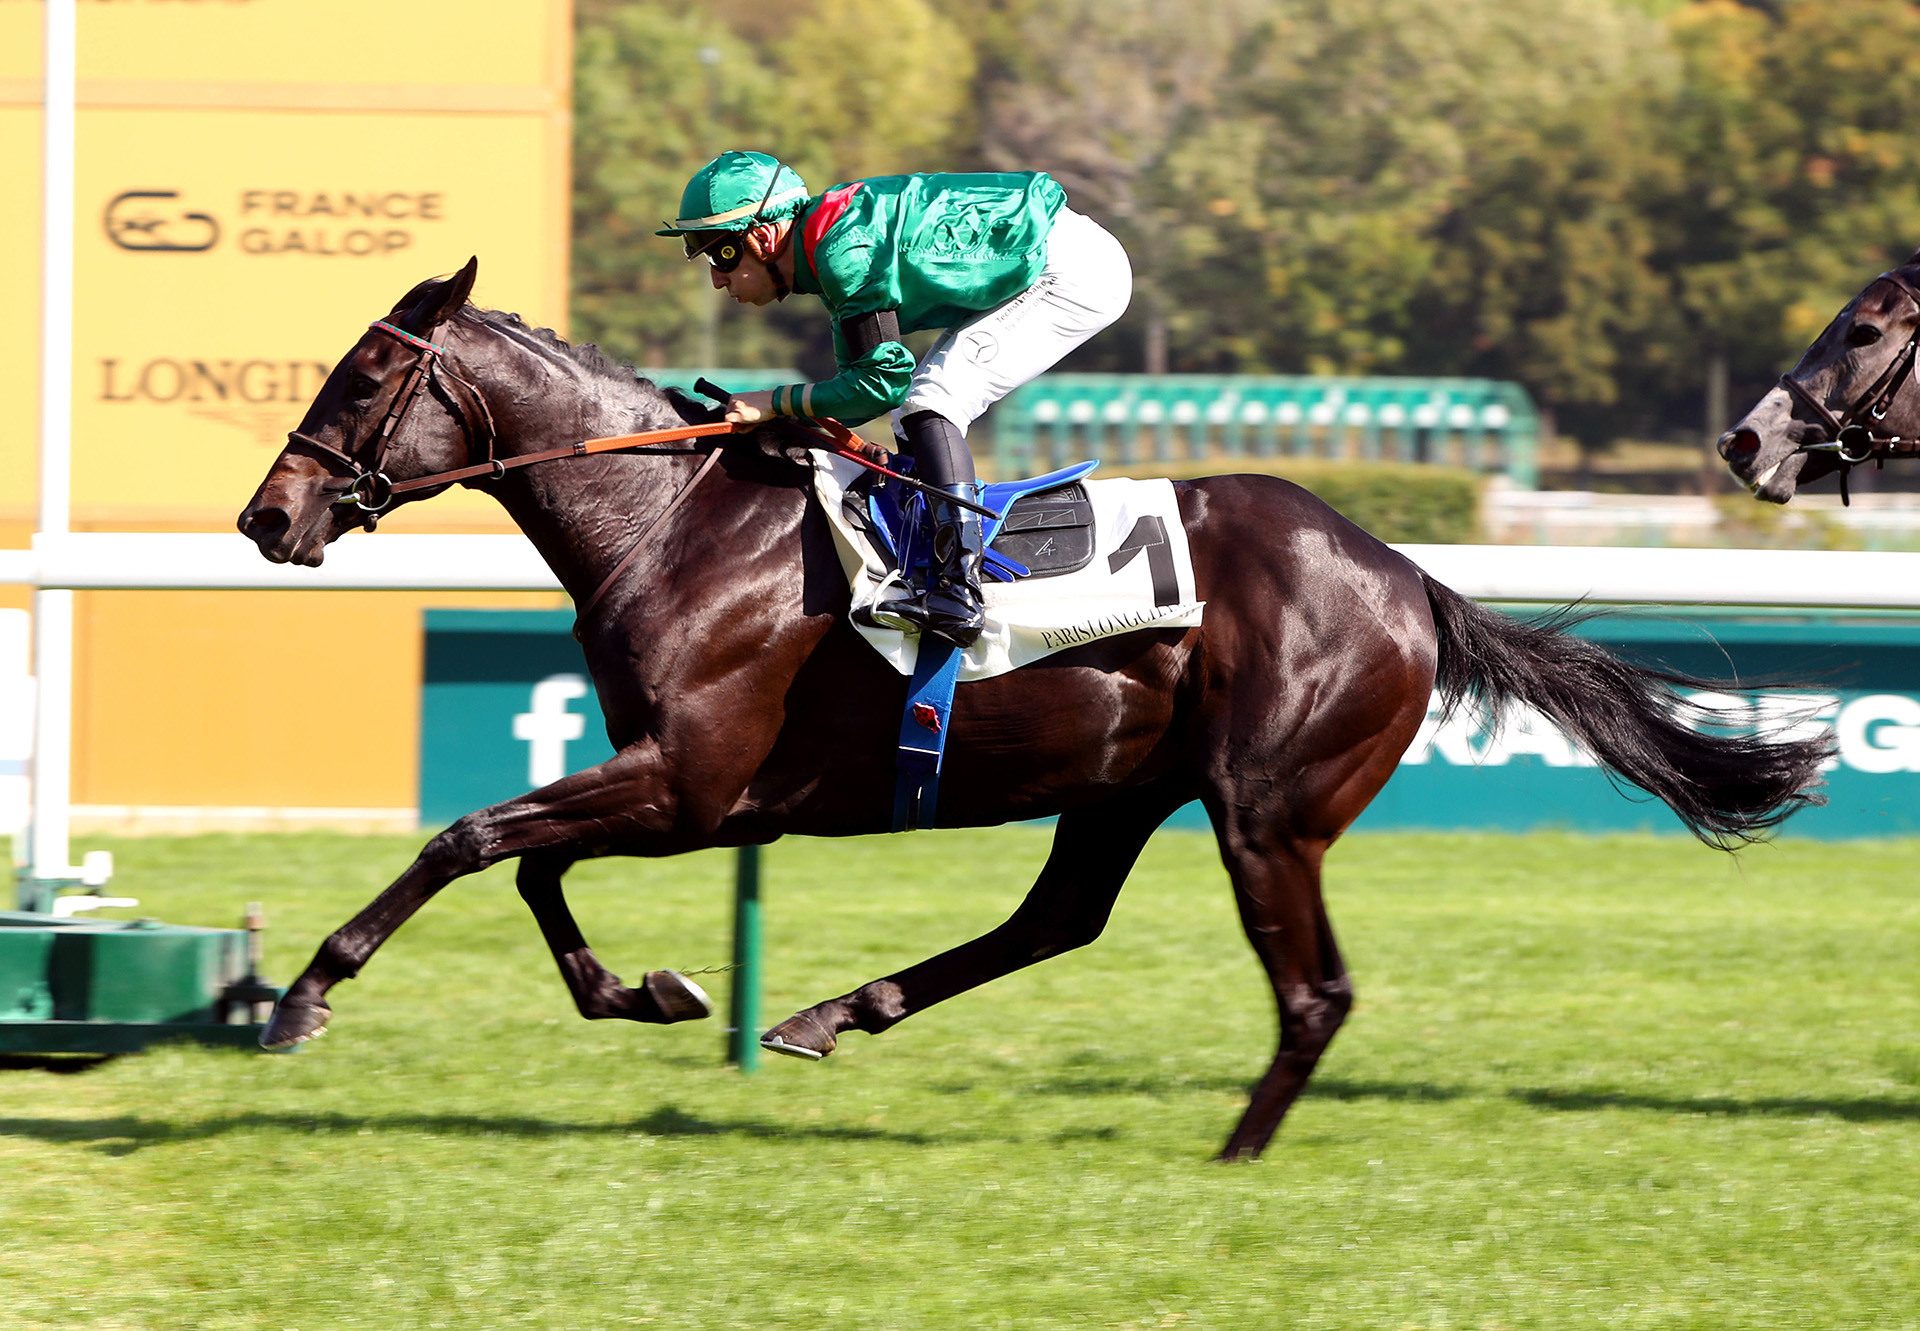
(37, 894)
(743, 1041)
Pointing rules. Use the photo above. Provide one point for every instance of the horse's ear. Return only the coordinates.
(435, 300)
(460, 287)
(1912, 259)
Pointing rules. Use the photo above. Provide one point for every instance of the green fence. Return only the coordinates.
(505, 706)
(1128, 419)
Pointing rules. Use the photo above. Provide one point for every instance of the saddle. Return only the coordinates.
(1045, 528)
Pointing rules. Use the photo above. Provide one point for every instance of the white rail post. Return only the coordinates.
(48, 852)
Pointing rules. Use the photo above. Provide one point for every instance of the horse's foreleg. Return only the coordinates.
(663, 996)
(1093, 850)
(1276, 883)
(616, 803)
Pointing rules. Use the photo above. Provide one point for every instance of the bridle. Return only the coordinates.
(367, 485)
(1853, 434)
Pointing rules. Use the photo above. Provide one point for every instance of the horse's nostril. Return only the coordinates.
(1739, 445)
(264, 524)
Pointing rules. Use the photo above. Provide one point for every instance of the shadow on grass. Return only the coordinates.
(1089, 1084)
(1852, 1109)
(125, 1134)
(1079, 1083)
(64, 1064)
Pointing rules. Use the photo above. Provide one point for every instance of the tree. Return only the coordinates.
(852, 87)
(1099, 93)
(1424, 186)
(1545, 266)
(654, 91)
(874, 87)
(1599, 198)
(1802, 169)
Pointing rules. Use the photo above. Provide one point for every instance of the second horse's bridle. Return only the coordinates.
(1853, 433)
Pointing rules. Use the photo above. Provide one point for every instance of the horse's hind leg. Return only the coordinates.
(663, 996)
(1093, 850)
(1276, 883)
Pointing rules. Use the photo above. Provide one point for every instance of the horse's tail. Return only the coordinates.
(1728, 789)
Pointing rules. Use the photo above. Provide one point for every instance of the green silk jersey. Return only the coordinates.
(936, 249)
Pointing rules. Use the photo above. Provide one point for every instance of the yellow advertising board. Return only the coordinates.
(256, 180)
(234, 235)
(215, 47)
(216, 285)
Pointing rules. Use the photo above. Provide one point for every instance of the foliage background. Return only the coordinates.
(1609, 201)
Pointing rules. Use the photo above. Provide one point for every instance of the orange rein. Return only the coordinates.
(498, 467)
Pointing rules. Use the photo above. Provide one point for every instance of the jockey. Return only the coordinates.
(1014, 277)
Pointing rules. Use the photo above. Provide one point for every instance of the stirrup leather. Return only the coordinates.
(949, 605)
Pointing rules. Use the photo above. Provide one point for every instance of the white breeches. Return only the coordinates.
(1084, 287)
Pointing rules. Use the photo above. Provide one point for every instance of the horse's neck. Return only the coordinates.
(586, 514)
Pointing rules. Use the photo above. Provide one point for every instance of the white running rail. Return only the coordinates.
(215, 561)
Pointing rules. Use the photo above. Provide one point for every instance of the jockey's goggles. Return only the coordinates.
(722, 249)
(725, 249)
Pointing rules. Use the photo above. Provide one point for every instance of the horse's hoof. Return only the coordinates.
(799, 1036)
(677, 997)
(295, 1023)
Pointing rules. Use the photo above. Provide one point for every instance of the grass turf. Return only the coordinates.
(1619, 1082)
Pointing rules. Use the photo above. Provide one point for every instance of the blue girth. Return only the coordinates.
(923, 733)
(927, 718)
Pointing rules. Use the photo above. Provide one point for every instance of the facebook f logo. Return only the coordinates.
(547, 725)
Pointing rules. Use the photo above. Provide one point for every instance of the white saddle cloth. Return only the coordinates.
(1032, 618)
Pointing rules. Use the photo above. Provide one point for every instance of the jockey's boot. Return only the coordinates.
(949, 606)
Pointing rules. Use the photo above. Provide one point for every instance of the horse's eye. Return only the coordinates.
(1862, 335)
(362, 387)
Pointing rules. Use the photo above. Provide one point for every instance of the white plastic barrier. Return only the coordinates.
(1807, 579)
(204, 561)
(228, 561)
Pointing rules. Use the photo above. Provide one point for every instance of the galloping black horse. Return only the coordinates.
(1843, 403)
(742, 706)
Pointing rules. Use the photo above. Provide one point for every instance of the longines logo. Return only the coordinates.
(258, 396)
(325, 223)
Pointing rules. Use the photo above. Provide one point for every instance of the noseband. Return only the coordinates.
(1853, 434)
(367, 486)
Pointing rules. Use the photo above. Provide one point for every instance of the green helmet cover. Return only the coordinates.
(735, 191)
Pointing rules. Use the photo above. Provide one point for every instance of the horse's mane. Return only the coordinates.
(769, 461)
(585, 354)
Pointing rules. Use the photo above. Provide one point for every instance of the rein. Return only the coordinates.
(368, 487)
(1853, 436)
(640, 541)
(494, 468)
